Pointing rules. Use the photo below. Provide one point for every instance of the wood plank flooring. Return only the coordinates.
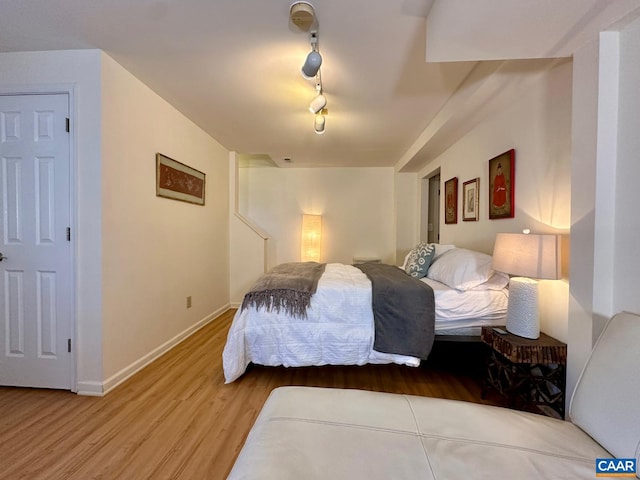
(176, 419)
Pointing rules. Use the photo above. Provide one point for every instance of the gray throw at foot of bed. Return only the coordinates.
(403, 311)
(287, 287)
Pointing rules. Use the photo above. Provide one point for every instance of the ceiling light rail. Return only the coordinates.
(302, 14)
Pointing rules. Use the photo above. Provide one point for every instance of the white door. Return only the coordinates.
(36, 268)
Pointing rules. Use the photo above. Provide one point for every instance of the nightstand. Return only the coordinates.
(530, 373)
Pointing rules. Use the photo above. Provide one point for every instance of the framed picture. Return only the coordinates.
(179, 181)
(451, 200)
(470, 200)
(502, 175)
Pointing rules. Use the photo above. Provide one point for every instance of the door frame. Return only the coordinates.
(427, 205)
(70, 91)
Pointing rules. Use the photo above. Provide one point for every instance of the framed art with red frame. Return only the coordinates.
(502, 175)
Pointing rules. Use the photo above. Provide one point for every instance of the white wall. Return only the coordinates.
(407, 208)
(78, 70)
(357, 205)
(583, 200)
(534, 118)
(137, 256)
(247, 243)
(605, 224)
(156, 251)
(626, 260)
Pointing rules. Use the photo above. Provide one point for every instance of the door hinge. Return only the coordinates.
(67, 123)
(68, 234)
(68, 345)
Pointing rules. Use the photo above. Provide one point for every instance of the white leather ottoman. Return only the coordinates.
(308, 433)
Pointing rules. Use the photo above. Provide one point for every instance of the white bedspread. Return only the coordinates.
(338, 331)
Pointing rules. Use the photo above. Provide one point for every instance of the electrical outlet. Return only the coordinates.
(189, 301)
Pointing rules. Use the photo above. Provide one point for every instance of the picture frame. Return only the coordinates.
(471, 200)
(451, 201)
(502, 175)
(178, 181)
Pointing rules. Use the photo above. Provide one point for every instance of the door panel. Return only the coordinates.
(36, 273)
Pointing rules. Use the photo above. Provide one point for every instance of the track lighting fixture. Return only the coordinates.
(318, 103)
(313, 60)
(318, 124)
(311, 65)
(303, 15)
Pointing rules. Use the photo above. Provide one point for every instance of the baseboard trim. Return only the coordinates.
(235, 304)
(97, 389)
(90, 389)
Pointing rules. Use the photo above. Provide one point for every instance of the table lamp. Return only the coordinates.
(529, 257)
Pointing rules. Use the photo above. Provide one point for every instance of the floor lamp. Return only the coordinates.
(529, 257)
(311, 238)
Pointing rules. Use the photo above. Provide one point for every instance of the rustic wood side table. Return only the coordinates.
(530, 373)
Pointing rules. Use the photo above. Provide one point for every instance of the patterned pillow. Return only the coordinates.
(419, 259)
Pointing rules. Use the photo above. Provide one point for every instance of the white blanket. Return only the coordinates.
(338, 331)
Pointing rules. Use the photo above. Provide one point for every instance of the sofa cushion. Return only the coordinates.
(605, 402)
(306, 432)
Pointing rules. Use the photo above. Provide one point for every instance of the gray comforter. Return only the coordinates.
(403, 311)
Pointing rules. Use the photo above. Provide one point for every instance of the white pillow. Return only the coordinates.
(461, 269)
(440, 249)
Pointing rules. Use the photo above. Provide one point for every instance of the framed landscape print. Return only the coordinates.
(470, 200)
(451, 200)
(502, 176)
(179, 181)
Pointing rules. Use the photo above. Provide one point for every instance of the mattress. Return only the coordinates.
(465, 312)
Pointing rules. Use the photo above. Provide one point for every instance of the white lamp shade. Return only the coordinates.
(311, 65)
(311, 238)
(534, 256)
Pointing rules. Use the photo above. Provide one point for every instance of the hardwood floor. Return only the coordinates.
(176, 419)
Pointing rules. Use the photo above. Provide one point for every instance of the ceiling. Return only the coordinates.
(233, 66)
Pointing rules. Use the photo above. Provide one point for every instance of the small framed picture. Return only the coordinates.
(502, 175)
(451, 200)
(470, 200)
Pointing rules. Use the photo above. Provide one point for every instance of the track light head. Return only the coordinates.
(317, 104)
(311, 65)
(318, 124)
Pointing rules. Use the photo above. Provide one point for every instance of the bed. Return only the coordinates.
(339, 325)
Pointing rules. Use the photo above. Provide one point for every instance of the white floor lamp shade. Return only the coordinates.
(536, 256)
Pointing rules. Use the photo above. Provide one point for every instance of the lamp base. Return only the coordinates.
(522, 312)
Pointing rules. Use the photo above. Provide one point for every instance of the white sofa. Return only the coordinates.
(309, 433)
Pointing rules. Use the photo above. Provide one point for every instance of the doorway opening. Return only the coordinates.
(430, 208)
